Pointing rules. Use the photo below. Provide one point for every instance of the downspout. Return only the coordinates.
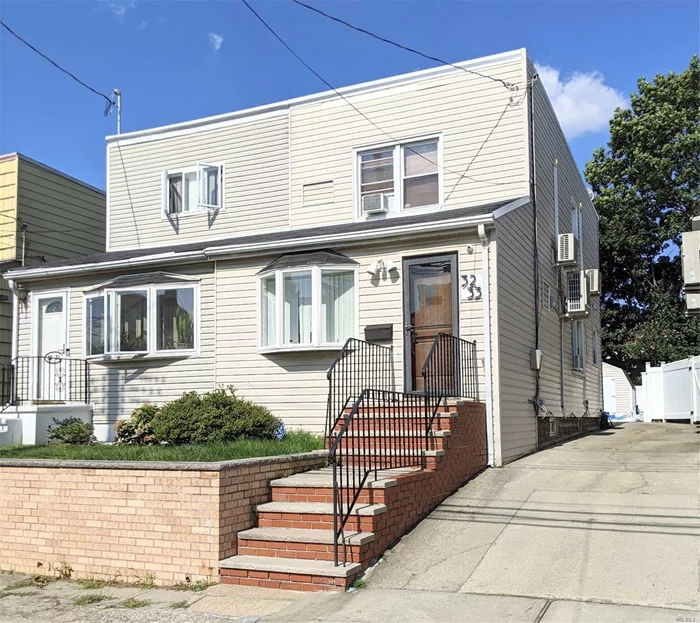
(14, 347)
(535, 228)
(486, 283)
(559, 285)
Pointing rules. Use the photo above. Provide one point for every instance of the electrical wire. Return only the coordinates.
(509, 85)
(56, 65)
(462, 175)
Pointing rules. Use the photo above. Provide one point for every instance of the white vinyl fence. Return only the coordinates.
(671, 391)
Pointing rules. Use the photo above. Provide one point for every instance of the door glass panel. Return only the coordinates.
(430, 311)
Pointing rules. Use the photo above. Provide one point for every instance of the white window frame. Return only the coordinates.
(316, 298)
(580, 347)
(151, 337)
(399, 168)
(200, 207)
(595, 354)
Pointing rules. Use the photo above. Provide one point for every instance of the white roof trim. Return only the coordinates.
(249, 114)
(509, 207)
(222, 252)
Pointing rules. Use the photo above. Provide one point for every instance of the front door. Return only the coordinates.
(430, 294)
(50, 377)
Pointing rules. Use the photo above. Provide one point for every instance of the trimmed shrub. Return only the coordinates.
(217, 416)
(71, 430)
(137, 430)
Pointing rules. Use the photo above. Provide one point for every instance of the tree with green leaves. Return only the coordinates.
(647, 188)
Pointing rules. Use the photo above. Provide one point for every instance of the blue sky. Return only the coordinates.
(176, 61)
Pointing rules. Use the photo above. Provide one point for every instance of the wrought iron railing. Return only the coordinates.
(450, 371)
(359, 365)
(371, 427)
(52, 378)
(381, 430)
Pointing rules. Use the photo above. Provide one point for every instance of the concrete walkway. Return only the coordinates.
(603, 528)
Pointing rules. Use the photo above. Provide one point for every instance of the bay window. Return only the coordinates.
(400, 178)
(145, 320)
(315, 307)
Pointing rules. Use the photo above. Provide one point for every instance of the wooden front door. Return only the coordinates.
(430, 294)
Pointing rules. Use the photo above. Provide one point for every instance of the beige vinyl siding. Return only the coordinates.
(118, 387)
(294, 385)
(462, 107)
(8, 207)
(64, 218)
(625, 392)
(550, 146)
(255, 156)
(516, 333)
(516, 292)
(8, 247)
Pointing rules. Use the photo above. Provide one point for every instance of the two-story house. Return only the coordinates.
(245, 249)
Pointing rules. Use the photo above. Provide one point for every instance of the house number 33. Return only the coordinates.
(471, 287)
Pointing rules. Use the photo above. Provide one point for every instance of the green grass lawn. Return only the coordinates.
(293, 443)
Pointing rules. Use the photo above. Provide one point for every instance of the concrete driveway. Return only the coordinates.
(603, 528)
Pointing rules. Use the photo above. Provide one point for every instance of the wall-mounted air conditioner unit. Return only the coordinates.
(576, 294)
(567, 250)
(593, 276)
(690, 252)
(376, 204)
(692, 303)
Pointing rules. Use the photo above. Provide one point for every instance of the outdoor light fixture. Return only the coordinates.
(380, 266)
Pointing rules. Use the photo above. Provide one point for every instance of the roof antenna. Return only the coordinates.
(115, 102)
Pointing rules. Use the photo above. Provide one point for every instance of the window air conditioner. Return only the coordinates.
(376, 204)
(577, 294)
(567, 250)
(593, 275)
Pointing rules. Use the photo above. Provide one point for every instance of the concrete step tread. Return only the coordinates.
(297, 535)
(397, 433)
(318, 508)
(273, 564)
(322, 478)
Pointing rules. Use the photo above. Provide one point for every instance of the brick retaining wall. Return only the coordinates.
(119, 520)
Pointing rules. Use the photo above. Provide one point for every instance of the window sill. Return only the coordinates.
(401, 213)
(299, 348)
(116, 357)
(165, 216)
(579, 373)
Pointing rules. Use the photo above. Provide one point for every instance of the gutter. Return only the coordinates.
(233, 250)
(486, 288)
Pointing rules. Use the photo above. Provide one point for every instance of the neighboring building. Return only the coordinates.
(619, 394)
(45, 216)
(244, 249)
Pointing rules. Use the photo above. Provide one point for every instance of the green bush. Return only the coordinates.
(217, 416)
(137, 430)
(71, 430)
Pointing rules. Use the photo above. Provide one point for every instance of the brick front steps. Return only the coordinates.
(292, 545)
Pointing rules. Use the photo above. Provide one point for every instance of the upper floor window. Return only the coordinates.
(398, 178)
(578, 346)
(141, 320)
(193, 189)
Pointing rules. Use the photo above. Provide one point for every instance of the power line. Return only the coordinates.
(509, 85)
(55, 64)
(347, 101)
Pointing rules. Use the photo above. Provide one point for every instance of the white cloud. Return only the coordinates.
(216, 40)
(120, 7)
(142, 25)
(583, 102)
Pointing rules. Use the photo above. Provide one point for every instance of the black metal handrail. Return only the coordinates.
(381, 430)
(52, 378)
(449, 371)
(359, 365)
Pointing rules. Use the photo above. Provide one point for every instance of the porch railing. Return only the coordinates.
(381, 430)
(449, 371)
(52, 378)
(374, 428)
(360, 365)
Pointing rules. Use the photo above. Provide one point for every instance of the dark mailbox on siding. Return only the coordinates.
(379, 332)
